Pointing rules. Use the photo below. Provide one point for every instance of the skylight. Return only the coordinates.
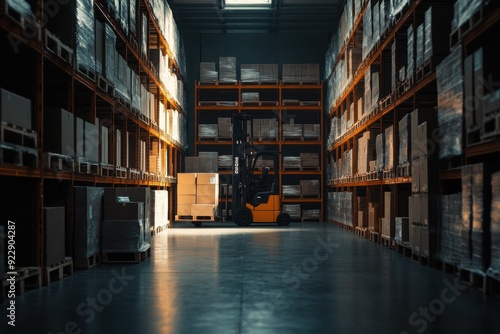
(248, 4)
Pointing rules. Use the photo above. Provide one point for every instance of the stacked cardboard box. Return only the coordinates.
(268, 128)
(388, 229)
(268, 73)
(362, 212)
(311, 130)
(292, 130)
(365, 152)
(293, 162)
(291, 73)
(224, 127)
(309, 159)
(373, 216)
(15, 109)
(310, 187)
(197, 194)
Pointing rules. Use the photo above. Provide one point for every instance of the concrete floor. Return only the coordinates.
(304, 278)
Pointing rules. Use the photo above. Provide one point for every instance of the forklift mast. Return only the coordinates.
(241, 151)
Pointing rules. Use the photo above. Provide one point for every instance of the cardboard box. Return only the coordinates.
(124, 211)
(184, 209)
(202, 210)
(207, 178)
(186, 199)
(54, 221)
(373, 216)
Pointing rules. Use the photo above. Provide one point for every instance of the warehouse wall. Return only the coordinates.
(248, 49)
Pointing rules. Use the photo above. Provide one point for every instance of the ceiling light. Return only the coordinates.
(248, 4)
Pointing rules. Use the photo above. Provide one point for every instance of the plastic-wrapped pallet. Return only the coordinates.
(250, 73)
(84, 36)
(293, 162)
(404, 139)
(475, 220)
(123, 236)
(208, 72)
(410, 66)
(465, 10)
(420, 46)
(397, 6)
(20, 6)
(88, 220)
(450, 80)
(159, 208)
(269, 73)
(292, 130)
(368, 93)
(495, 225)
(293, 210)
(311, 130)
(291, 190)
(380, 149)
(207, 131)
(250, 97)
(227, 69)
(310, 73)
(310, 214)
(375, 82)
(389, 148)
(367, 31)
(376, 22)
(450, 217)
(402, 229)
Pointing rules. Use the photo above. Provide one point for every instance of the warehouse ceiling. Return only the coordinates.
(279, 16)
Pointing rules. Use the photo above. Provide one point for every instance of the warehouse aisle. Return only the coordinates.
(304, 278)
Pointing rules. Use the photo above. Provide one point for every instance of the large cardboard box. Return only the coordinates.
(202, 210)
(373, 216)
(15, 109)
(61, 137)
(186, 183)
(55, 221)
(186, 199)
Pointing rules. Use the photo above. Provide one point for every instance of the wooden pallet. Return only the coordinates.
(133, 174)
(491, 125)
(459, 33)
(54, 44)
(387, 241)
(105, 85)
(259, 103)
(87, 167)
(28, 24)
(404, 247)
(260, 82)
(217, 103)
(18, 155)
(451, 163)
(388, 174)
(90, 74)
(386, 101)
(131, 257)
(403, 170)
(493, 283)
(446, 266)
(373, 176)
(16, 135)
(425, 70)
(59, 162)
(473, 278)
(88, 262)
(58, 271)
(120, 172)
(420, 258)
(374, 236)
(27, 278)
(106, 170)
(361, 231)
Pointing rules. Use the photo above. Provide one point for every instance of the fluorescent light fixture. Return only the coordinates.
(248, 4)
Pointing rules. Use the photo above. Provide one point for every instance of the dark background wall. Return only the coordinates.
(248, 49)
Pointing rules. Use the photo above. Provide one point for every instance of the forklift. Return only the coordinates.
(255, 197)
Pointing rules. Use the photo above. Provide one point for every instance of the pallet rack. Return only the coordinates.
(216, 100)
(40, 64)
(419, 90)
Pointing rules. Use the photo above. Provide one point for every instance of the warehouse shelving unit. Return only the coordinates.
(383, 191)
(292, 123)
(44, 67)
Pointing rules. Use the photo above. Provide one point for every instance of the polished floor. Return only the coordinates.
(304, 278)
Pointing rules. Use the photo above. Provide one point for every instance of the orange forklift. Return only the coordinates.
(255, 197)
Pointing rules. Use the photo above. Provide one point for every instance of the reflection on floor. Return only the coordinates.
(304, 278)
